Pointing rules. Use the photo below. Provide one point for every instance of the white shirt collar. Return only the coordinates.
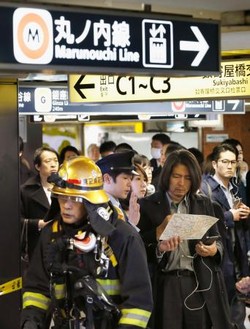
(219, 181)
(114, 201)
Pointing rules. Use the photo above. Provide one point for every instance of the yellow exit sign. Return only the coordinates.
(233, 82)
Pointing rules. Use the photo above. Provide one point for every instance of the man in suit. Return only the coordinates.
(36, 197)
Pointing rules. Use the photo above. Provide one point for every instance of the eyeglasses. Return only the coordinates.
(227, 162)
(65, 198)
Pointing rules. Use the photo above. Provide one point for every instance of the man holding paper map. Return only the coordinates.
(179, 230)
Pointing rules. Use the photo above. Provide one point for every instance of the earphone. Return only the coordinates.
(199, 290)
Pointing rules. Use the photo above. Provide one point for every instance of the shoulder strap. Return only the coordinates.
(108, 251)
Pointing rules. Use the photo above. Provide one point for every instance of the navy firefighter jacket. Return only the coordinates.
(127, 281)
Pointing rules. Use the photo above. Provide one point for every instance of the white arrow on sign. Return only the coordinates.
(201, 46)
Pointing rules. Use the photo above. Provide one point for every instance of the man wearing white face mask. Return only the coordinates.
(158, 140)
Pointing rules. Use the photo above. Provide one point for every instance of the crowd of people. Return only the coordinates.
(102, 241)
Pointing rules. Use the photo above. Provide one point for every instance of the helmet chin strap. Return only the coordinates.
(99, 217)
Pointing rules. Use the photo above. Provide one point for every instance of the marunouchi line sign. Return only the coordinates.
(104, 41)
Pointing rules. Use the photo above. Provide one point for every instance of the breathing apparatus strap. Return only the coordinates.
(110, 254)
(89, 313)
(62, 318)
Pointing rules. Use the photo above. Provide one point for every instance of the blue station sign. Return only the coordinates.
(53, 100)
(103, 41)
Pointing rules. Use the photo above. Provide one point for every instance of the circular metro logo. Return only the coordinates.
(33, 36)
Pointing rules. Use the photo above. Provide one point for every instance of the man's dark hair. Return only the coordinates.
(232, 141)
(207, 167)
(123, 147)
(182, 157)
(163, 138)
(116, 173)
(198, 154)
(173, 146)
(38, 152)
(218, 149)
(107, 146)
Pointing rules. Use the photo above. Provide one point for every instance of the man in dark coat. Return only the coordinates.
(35, 197)
(188, 282)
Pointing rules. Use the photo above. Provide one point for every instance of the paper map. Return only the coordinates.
(188, 227)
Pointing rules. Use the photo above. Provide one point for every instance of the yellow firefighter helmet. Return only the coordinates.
(80, 177)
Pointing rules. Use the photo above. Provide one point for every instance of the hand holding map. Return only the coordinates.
(188, 227)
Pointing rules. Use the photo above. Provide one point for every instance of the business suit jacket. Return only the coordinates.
(34, 206)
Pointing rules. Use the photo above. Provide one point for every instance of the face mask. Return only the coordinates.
(155, 153)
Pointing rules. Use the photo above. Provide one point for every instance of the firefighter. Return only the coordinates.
(89, 269)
